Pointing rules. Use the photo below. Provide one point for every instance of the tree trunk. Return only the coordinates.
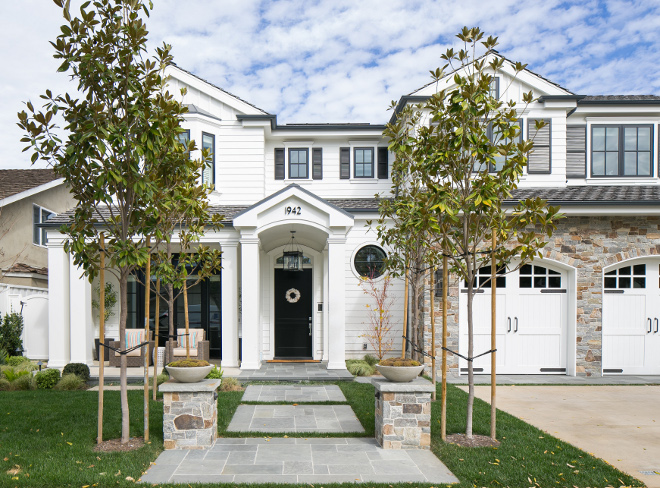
(470, 353)
(170, 313)
(123, 314)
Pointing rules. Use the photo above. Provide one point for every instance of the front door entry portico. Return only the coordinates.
(293, 314)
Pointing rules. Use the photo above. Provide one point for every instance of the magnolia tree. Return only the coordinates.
(462, 151)
(119, 151)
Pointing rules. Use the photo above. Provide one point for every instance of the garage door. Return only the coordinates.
(631, 316)
(531, 321)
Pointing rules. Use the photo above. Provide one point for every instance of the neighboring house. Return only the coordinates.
(28, 197)
(587, 308)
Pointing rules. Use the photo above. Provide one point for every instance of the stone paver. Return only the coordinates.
(620, 424)
(295, 418)
(295, 372)
(314, 460)
(293, 393)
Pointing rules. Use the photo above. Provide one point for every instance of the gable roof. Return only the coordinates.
(16, 184)
(497, 54)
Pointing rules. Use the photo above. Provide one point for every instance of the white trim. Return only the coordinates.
(32, 191)
(34, 276)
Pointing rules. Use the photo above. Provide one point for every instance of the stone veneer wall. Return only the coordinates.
(190, 414)
(587, 244)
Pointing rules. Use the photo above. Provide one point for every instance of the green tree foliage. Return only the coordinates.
(451, 176)
(11, 328)
(119, 152)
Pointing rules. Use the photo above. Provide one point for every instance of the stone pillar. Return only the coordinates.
(58, 303)
(403, 414)
(250, 300)
(190, 414)
(230, 304)
(82, 334)
(337, 302)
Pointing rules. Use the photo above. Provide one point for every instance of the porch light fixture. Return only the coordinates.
(292, 260)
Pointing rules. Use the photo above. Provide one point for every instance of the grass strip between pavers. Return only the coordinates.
(49, 435)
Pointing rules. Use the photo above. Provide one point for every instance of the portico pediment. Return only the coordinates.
(293, 208)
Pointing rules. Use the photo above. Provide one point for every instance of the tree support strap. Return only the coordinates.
(126, 351)
(424, 353)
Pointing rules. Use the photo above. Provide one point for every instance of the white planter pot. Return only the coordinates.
(189, 375)
(400, 374)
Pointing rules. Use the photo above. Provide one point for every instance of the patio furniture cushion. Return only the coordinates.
(133, 338)
(181, 352)
(195, 335)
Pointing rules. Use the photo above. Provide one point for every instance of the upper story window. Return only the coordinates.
(621, 150)
(39, 215)
(363, 166)
(495, 137)
(494, 88)
(298, 163)
(208, 173)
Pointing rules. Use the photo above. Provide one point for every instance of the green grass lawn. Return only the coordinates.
(50, 435)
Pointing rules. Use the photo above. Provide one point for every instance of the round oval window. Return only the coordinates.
(370, 261)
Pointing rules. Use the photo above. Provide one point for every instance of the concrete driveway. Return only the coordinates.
(620, 424)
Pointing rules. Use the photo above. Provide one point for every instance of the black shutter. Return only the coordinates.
(344, 163)
(279, 163)
(317, 163)
(539, 158)
(576, 151)
(382, 163)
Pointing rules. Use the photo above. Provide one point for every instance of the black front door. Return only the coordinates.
(293, 314)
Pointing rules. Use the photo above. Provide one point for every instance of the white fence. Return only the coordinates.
(32, 303)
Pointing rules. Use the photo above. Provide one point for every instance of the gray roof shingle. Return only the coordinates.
(13, 181)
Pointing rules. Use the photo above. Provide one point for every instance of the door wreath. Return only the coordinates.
(292, 295)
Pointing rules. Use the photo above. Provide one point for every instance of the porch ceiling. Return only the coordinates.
(280, 235)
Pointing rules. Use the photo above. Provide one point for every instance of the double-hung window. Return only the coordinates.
(208, 173)
(298, 163)
(622, 150)
(363, 166)
(39, 215)
(495, 138)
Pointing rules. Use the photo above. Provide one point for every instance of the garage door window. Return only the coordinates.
(626, 277)
(538, 277)
(482, 280)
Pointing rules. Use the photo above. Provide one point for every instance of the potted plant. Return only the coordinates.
(189, 370)
(400, 370)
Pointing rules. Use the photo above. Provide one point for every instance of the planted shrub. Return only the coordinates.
(24, 382)
(231, 384)
(215, 374)
(3, 355)
(162, 378)
(79, 369)
(16, 360)
(13, 374)
(358, 367)
(70, 382)
(370, 360)
(47, 379)
(11, 328)
(189, 363)
(5, 385)
(399, 362)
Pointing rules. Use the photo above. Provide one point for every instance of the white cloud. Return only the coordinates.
(342, 60)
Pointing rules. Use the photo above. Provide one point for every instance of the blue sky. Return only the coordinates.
(345, 60)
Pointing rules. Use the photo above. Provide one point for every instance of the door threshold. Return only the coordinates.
(293, 361)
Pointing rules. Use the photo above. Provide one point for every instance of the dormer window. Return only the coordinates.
(621, 150)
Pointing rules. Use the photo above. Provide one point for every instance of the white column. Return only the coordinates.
(58, 304)
(250, 357)
(80, 301)
(337, 302)
(230, 304)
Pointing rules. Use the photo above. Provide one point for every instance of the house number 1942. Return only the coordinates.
(292, 211)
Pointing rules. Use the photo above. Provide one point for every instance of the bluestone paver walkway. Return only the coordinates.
(293, 393)
(313, 460)
(295, 418)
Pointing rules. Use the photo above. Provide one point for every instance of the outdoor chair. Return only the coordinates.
(199, 348)
(134, 358)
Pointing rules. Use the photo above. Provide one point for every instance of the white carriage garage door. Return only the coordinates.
(631, 316)
(531, 322)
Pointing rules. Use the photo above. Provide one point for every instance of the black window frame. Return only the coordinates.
(306, 165)
(363, 164)
(621, 150)
(39, 235)
(212, 163)
(359, 266)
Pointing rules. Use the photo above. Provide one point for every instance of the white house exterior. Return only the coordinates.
(589, 307)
